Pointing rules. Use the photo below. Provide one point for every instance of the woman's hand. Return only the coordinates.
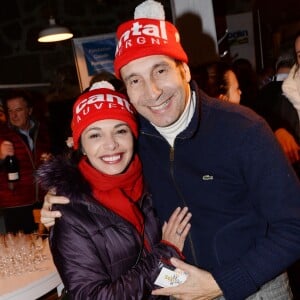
(177, 228)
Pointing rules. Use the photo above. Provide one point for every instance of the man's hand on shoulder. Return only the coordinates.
(47, 215)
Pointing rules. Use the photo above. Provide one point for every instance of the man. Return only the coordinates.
(219, 159)
(24, 139)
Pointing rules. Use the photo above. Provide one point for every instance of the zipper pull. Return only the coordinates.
(172, 154)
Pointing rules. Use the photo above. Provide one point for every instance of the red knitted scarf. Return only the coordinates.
(118, 193)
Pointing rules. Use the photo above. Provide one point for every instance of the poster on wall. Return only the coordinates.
(93, 54)
(241, 36)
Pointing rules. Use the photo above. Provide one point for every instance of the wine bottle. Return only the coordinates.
(12, 168)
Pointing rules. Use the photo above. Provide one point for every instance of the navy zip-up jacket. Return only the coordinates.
(228, 168)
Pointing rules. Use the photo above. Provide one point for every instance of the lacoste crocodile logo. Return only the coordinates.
(207, 177)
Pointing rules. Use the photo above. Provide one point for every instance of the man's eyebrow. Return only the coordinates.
(17, 108)
(157, 65)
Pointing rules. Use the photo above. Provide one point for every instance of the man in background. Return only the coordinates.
(24, 138)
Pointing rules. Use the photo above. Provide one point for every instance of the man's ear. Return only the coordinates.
(223, 97)
(187, 72)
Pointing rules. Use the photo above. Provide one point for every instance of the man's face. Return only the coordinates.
(19, 113)
(158, 87)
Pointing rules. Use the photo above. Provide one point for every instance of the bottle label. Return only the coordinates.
(13, 176)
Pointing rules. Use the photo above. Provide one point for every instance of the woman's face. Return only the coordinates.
(108, 145)
(297, 49)
(233, 92)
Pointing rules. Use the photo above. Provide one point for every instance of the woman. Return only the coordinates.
(108, 243)
(291, 85)
(221, 82)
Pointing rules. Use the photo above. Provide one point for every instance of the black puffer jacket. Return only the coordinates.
(98, 254)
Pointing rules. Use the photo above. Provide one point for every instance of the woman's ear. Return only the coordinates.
(82, 151)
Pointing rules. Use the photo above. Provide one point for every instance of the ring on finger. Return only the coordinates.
(178, 233)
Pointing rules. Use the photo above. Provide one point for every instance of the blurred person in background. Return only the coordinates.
(248, 81)
(278, 111)
(27, 140)
(221, 82)
(291, 85)
(2, 114)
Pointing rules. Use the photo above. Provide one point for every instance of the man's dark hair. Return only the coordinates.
(18, 93)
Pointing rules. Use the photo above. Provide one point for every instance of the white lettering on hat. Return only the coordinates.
(152, 30)
(141, 41)
(98, 100)
(108, 105)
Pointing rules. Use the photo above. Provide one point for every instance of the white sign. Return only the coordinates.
(241, 36)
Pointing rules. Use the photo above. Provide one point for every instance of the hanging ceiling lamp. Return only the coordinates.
(54, 33)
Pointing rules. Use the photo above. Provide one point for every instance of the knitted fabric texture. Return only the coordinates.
(148, 34)
(99, 103)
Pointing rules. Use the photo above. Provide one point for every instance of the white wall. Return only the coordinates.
(196, 24)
